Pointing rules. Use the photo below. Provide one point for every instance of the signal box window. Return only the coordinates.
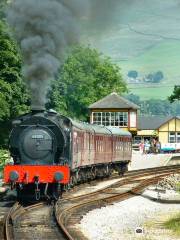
(119, 119)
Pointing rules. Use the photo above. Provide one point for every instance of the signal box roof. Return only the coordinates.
(113, 101)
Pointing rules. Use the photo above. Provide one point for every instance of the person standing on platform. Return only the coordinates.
(158, 147)
(141, 147)
(147, 146)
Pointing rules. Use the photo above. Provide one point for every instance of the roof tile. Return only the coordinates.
(113, 100)
(152, 122)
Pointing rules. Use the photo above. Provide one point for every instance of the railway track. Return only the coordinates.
(35, 221)
(42, 221)
(69, 211)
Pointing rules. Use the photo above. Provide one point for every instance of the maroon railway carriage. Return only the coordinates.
(98, 150)
(52, 152)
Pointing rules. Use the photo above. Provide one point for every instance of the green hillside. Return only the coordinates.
(164, 57)
(146, 92)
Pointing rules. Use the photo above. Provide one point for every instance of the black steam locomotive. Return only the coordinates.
(52, 152)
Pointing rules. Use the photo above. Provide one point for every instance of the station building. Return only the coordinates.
(167, 129)
(114, 110)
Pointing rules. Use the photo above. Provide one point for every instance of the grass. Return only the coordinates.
(148, 92)
(164, 57)
(173, 224)
(178, 187)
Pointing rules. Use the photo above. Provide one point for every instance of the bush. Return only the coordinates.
(4, 158)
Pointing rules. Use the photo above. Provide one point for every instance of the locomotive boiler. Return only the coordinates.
(52, 153)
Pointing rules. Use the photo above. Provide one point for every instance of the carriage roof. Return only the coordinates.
(100, 129)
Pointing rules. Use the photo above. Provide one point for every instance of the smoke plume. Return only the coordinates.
(43, 29)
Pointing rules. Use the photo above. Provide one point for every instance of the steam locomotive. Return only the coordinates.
(52, 152)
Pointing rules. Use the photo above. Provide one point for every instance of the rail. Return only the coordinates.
(16, 210)
(70, 210)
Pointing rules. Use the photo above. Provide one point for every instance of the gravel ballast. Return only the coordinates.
(119, 221)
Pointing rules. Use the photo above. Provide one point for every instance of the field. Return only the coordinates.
(143, 36)
(164, 57)
(146, 92)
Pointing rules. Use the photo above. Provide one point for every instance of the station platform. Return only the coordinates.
(142, 161)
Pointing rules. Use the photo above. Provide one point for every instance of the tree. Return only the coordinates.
(133, 74)
(13, 96)
(149, 77)
(2, 8)
(85, 77)
(133, 98)
(158, 76)
(13, 88)
(155, 106)
(155, 77)
(175, 95)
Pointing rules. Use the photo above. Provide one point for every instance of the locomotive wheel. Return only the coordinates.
(71, 181)
(110, 171)
(74, 179)
(19, 194)
(25, 194)
(92, 174)
(95, 173)
(88, 175)
(82, 177)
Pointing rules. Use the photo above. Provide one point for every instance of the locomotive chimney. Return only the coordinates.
(36, 108)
